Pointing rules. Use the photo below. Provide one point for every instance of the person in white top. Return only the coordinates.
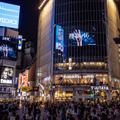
(13, 117)
(5, 50)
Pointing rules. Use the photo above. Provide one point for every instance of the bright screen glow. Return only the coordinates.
(59, 38)
(81, 38)
(8, 50)
(9, 15)
(6, 75)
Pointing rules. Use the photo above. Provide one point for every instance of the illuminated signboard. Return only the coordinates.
(23, 78)
(20, 42)
(26, 77)
(6, 75)
(9, 39)
(24, 94)
(9, 15)
(16, 80)
(6, 89)
(82, 38)
(35, 88)
(20, 80)
(99, 87)
(59, 38)
(77, 76)
(8, 50)
(26, 89)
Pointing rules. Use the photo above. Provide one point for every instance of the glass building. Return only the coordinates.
(76, 49)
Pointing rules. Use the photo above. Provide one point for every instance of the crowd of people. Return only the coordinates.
(9, 111)
(81, 111)
(68, 110)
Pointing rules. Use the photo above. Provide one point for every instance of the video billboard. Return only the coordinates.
(8, 50)
(81, 38)
(9, 15)
(6, 75)
(59, 38)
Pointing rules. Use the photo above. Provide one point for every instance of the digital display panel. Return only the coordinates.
(59, 38)
(8, 50)
(6, 75)
(9, 15)
(81, 38)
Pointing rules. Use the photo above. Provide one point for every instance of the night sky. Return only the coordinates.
(28, 17)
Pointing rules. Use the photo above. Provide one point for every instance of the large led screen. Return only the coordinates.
(8, 50)
(81, 38)
(59, 38)
(9, 15)
(6, 75)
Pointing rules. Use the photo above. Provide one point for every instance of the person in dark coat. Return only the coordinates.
(63, 115)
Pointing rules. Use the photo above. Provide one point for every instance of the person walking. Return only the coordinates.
(63, 114)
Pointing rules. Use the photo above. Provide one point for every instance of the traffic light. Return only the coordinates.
(117, 40)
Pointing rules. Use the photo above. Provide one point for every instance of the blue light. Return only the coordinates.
(8, 50)
(59, 38)
(9, 15)
(87, 39)
(16, 80)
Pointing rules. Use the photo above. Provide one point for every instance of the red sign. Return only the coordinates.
(23, 78)
(20, 80)
(26, 77)
(35, 88)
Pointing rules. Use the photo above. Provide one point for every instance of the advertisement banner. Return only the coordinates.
(8, 50)
(59, 38)
(23, 78)
(6, 89)
(9, 39)
(20, 80)
(6, 75)
(26, 89)
(81, 38)
(9, 15)
(26, 77)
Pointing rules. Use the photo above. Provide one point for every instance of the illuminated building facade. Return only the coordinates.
(8, 49)
(76, 49)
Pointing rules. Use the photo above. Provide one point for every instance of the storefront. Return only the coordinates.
(75, 86)
(85, 79)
